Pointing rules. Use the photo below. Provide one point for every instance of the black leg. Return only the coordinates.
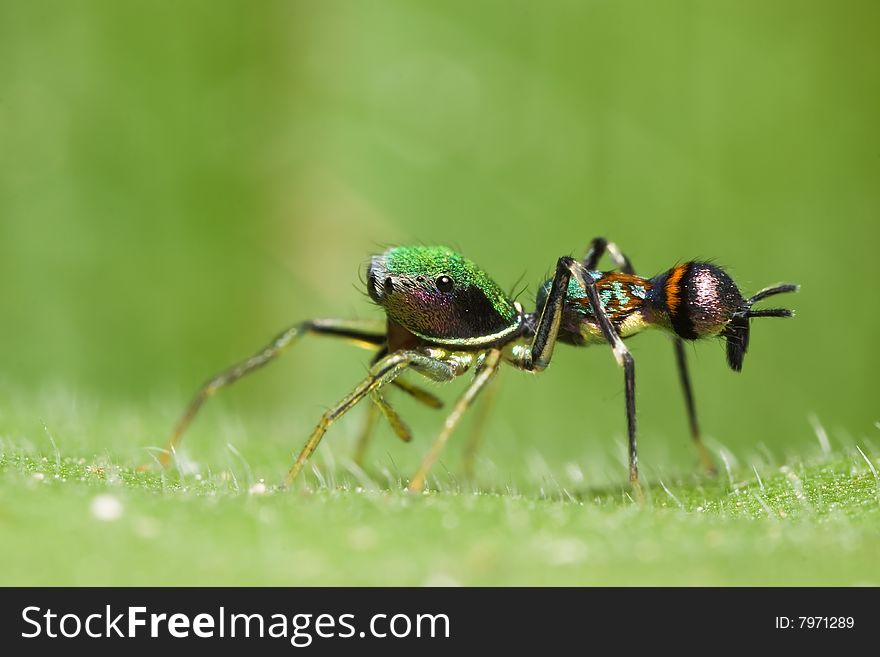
(696, 436)
(545, 336)
(625, 360)
(598, 247)
(629, 377)
(538, 355)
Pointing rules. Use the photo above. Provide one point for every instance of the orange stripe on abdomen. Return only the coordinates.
(673, 287)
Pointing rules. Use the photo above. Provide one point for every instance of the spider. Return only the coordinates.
(445, 316)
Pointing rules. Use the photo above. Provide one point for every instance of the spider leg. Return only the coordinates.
(418, 393)
(397, 424)
(538, 355)
(696, 435)
(381, 374)
(478, 429)
(369, 335)
(598, 247)
(532, 358)
(484, 374)
(380, 404)
(624, 359)
(363, 441)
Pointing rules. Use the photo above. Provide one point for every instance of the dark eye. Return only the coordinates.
(444, 284)
(389, 285)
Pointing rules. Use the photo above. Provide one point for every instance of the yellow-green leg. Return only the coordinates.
(477, 430)
(489, 367)
(370, 335)
(381, 374)
(397, 424)
(381, 405)
(363, 441)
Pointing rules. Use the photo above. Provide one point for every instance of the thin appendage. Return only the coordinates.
(381, 374)
(369, 424)
(484, 374)
(771, 312)
(365, 334)
(625, 360)
(782, 288)
(363, 441)
(381, 404)
(537, 356)
(696, 436)
(400, 427)
(397, 424)
(544, 341)
(420, 394)
(598, 247)
(478, 427)
(629, 378)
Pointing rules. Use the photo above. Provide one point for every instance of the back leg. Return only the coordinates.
(696, 436)
(598, 247)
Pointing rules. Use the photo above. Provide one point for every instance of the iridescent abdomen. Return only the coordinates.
(622, 297)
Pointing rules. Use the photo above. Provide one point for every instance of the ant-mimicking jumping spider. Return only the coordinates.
(445, 316)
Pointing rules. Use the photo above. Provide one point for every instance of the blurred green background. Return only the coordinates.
(179, 181)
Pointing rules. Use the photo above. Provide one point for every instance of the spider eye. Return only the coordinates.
(444, 284)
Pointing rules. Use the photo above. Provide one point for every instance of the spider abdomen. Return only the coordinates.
(698, 299)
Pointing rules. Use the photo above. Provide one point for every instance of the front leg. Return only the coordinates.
(381, 374)
(380, 404)
(484, 374)
(536, 357)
